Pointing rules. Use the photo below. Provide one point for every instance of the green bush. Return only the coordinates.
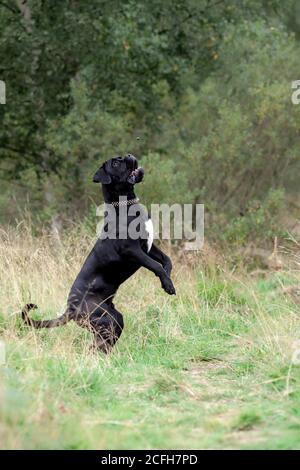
(229, 141)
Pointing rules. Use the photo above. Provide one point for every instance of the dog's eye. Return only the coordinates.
(115, 163)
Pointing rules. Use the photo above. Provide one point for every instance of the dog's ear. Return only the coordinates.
(101, 176)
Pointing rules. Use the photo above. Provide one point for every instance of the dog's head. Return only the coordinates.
(120, 171)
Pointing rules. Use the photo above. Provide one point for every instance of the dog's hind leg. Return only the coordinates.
(107, 325)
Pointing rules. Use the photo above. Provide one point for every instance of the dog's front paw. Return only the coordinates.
(168, 286)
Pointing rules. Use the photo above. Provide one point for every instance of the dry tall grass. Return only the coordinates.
(213, 364)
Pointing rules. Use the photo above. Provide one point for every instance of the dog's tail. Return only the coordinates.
(62, 320)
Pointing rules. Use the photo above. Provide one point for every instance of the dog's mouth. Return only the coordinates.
(136, 175)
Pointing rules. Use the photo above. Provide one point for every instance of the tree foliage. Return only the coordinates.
(204, 84)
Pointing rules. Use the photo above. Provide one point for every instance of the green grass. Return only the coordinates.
(210, 368)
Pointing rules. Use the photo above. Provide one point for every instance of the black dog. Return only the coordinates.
(111, 262)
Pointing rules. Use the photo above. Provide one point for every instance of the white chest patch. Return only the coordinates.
(149, 229)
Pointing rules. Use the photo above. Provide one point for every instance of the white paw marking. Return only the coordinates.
(149, 229)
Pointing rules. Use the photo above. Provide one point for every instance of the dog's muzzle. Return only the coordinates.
(136, 176)
(131, 162)
(137, 173)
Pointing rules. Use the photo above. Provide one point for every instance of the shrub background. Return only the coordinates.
(205, 86)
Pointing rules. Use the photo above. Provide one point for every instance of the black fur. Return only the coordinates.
(109, 264)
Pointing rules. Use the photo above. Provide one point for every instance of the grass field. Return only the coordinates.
(209, 368)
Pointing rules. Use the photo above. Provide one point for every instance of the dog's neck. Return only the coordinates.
(110, 196)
